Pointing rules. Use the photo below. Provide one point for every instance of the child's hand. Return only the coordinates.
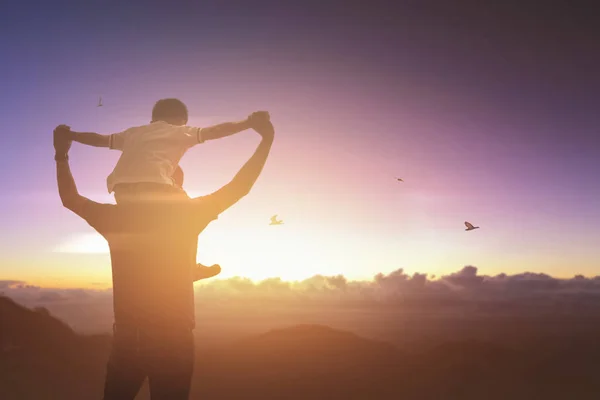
(258, 118)
(65, 130)
(62, 139)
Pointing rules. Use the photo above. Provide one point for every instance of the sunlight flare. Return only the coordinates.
(86, 243)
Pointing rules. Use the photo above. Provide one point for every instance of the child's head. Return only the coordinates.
(171, 111)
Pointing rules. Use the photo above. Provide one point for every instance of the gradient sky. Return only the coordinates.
(489, 115)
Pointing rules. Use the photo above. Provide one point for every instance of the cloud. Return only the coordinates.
(465, 287)
(5, 284)
(466, 278)
(462, 287)
(465, 292)
(31, 295)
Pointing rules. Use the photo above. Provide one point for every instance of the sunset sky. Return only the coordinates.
(488, 117)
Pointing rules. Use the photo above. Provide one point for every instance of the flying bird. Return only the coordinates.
(399, 180)
(470, 226)
(275, 221)
(99, 102)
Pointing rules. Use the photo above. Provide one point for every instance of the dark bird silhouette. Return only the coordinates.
(99, 102)
(399, 179)
(470, 226)
(275, 221)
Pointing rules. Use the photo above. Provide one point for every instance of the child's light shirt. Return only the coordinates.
(151, 152)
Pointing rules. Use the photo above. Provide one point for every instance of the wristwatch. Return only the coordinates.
(61, 157)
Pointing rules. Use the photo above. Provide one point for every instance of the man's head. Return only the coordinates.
(171, 111)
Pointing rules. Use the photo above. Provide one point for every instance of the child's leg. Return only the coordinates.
(203, 272)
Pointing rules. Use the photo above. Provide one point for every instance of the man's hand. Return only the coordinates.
(62, 139)
(67, 189)
(258, 118)
(265, 129)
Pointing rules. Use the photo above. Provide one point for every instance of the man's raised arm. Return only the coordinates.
(67, 189)
(95, 214)
(245, 179)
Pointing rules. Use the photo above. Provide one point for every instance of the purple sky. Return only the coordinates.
(486, 112)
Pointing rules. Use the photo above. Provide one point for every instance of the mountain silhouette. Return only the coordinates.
(301, 341)
(315, 358)
(27, 329)
(42, 358)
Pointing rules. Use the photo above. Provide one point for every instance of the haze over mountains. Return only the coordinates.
(517, 357)
(391, 307)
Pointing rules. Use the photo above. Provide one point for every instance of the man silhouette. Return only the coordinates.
(153, 246)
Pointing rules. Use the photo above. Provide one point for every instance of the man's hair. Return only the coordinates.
(169, 109)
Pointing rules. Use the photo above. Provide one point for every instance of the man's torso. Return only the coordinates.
(153, 250)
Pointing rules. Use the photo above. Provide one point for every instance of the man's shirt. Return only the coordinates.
(153, 250)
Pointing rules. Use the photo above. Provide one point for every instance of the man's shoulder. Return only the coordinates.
(190, 215)
(98, 215)
(206, 207)
(93, 206)
(182, 215)
(199, 208)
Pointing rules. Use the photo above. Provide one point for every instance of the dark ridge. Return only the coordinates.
(42, 358)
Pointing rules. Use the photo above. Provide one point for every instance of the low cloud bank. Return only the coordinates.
(24, 293)
(464, 287)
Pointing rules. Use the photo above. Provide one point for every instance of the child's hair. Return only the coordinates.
(170, 110)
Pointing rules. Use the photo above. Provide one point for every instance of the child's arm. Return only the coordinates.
(97, 140)
(223, 130)
(231, 128)
(91, 139)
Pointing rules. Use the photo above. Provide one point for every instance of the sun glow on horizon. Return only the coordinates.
(257, 254)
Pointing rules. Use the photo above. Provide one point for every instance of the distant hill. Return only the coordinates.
(301, 341)
(42, 358)
(307, 361)
(24, 328)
